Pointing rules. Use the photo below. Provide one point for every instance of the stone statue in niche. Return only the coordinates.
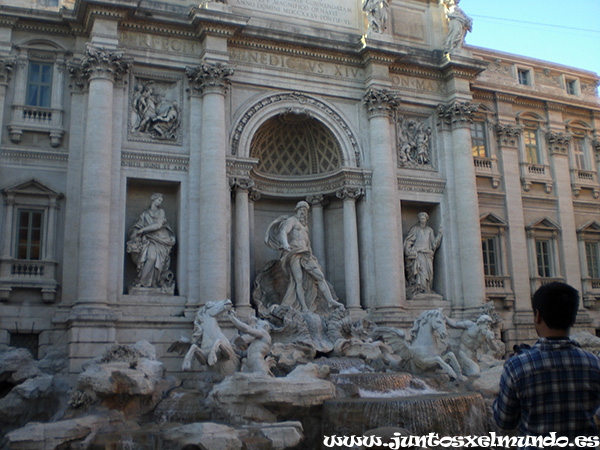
(414, 143)
(153, 115)
(377, 12)
(420, 245)
(150, 241)
(458, 25)
(307, 288)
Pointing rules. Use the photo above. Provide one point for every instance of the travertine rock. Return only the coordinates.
(204, 434)
(244, 397)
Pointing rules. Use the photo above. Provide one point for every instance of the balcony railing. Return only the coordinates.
(21, 273)
(38, 119)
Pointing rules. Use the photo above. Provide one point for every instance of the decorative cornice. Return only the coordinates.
(509, 134)
(558, 142)
(103, 13)
(213, 29)
(457, 114)
(240, 168)
(304, 186)
(153, 28)
(381, 102)
(295, 50)
(407, 69)
(209, 77)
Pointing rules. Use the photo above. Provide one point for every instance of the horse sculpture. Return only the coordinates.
(209, 345)
(427, 348)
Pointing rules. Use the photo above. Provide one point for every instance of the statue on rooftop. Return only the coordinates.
(377, 12)
(458, 26)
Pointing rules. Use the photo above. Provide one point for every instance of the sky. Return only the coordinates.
(560, 31)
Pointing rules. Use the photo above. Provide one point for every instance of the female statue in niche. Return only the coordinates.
(149, 242)
(420, 245)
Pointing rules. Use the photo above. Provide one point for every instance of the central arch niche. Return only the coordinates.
(295, 144)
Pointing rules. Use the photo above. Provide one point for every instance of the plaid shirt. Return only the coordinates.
(555, 386)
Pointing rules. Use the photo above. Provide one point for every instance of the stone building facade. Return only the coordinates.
(234, 111)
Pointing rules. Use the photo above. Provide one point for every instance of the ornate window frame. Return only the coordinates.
(497, 287)
(25, 273)
(534, 172)
(39, 119)
(589, 233)
(487, 166)
(543, 229)
(586, 178)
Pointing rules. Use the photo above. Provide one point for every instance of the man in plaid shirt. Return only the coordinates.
(554, 386)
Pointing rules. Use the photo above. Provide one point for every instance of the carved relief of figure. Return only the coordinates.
(377, 12)
(150, 241)
(473, 337)
(458, 25)
(420, 245)
(289, 235)
(158, 118)
(414, 143)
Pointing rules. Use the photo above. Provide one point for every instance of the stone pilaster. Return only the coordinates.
(389, 266)
(253, 197)
(241, 189)
(210, 82)
(317, 203)
(351, 260)
(6, 67)
(456, 118)
(558, 145)
(101, 68)
(508, 144)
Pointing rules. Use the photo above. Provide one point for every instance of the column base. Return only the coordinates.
(390, 316)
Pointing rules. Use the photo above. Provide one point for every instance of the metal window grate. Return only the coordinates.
(29, 341)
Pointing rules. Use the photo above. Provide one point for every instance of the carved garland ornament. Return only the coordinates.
(301, 99)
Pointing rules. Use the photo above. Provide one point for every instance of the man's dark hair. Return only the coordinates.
(557, 303)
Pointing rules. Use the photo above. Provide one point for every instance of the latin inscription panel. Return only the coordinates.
(341, 13)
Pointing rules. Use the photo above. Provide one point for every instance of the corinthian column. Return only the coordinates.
(210, 82)
(242, 246)
(456, 118)
(100, 67)
(389, 267)
(318, 228)
(351, 264)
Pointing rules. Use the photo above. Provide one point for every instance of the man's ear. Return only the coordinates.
(537, 318)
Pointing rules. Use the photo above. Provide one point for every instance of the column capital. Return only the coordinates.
(317, 200)
(244, 184)
(457, 114)
(558, 143)
(253, 195)
(380, 102)
(596, 144)
(508, 134)
(349, 193)
(99, 63)
(6, 67)
(209, 77)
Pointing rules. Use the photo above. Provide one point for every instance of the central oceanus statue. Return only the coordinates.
(209, 345)
(427, 348)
